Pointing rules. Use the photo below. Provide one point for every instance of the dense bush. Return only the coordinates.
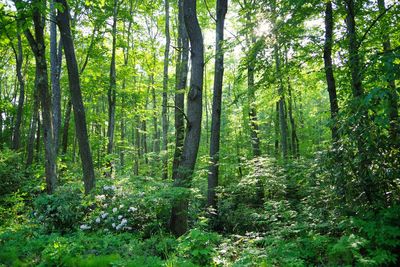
(61, 211)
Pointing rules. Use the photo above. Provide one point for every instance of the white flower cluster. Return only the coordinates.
(106, 187)
(121, 225)
(100, 197)
(85, 227)
(132, 209)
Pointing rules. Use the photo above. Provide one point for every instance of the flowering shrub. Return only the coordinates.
(117, 210)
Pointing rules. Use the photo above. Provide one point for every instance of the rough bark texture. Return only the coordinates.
(67, 119)
(165, 94)
(222, 7)
(393, 106)
(330, 79)
(21, 82)
(55, 67)
(111, 93)
(37, 44)
(32, 128)
(63, 19)
(181, 80)
(194, 112)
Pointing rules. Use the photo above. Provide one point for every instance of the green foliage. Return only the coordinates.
(198, 246)
(61, 211)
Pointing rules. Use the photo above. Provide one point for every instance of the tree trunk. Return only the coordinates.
(165, 94)
(181, 80)
(222, 7)
(55, 67)
(112, 87)
(394, 129)
(63, 19)
(330, 79)
(251, 57)
(32, 129)
(17, 127)
(358, 93)
(294, 138)
(282, 116)
(37, 44)
(277, 127)
(156, 135)
(187, 163)
(67, 119)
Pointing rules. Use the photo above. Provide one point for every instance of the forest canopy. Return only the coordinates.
(199, 133)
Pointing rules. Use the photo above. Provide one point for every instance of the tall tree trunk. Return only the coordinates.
(67, 119)
(32, 129)
(294, 138)
(330, 79)
(156, 134)
(222, 7)
(165, 94)
(393, 106)
(277, 127)
(20, 109)
(282, 115)
(55, 67)
(358, 94)
(181, 80)
(37, 44)
(63, 19)
(187, 163)
(68, 111)
(112, 87)
(251, 57)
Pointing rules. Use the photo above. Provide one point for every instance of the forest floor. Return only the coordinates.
(124, 222)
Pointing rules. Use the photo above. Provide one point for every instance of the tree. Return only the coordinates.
(165, 93)
(330, 79)
(63, 21)
(55, 70)
(21, 81)
(358, 94)
(181, 80)
(221, 7)
(37, 44)
(194, 112)
(111, 93)
(393, 105)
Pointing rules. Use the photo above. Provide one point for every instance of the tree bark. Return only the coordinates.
(330, 79)
(37, 44)
(222, 8)
(55, 67)
(21, 81)
(181, 81)
(112, 87)
(63, 20)
(67, 119)
(281, 104)
(165, 94)
(294, 138)
(32, 128)
(186, 166)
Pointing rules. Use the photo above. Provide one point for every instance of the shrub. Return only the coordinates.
(61, 211)
(198, 246)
